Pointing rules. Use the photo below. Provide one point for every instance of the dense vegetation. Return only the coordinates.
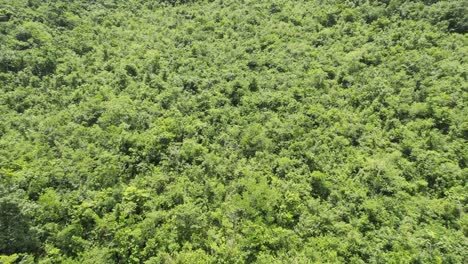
(230, 131)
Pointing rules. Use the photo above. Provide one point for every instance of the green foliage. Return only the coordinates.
(230, 131)
(17, 234)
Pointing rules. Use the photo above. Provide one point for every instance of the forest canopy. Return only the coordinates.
(226, 131)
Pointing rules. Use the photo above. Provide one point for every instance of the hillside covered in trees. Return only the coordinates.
(231, 131)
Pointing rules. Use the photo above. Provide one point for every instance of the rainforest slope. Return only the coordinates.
(233, 131)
